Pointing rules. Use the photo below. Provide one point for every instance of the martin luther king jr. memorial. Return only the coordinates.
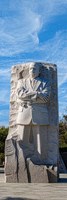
(31, 147)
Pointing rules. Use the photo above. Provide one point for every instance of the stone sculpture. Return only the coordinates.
(32, 142)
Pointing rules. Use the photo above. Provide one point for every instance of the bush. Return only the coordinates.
(63, 132)
(3, 135)
(1, 158)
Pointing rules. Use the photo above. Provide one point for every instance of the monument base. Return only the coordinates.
(31, 173)
(40, 173)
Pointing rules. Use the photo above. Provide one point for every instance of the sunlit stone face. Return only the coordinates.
(33, 71)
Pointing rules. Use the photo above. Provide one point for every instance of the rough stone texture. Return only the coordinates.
(11, 157)
(37, 173)
(33, 119)
(11, 161)
(41, 174)
(22, 170)
(52, 176)
(11, 178)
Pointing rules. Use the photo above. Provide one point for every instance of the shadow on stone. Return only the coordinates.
(18, 198)
(52, 176)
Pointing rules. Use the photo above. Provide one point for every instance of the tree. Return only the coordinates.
(63, 132)
(3, 135)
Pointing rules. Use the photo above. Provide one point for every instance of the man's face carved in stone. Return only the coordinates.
(33, 71)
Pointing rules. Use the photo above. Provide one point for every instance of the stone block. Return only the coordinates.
(52, 176)
(22, 170)
(37, 173)
(10, 157)
(11, 178)
(10, 164)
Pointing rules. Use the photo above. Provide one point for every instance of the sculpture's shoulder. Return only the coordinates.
(43, 81)
(21, 82)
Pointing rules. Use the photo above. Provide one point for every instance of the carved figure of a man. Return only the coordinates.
(33, 119)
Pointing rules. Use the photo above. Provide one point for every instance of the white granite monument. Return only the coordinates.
(31, 147)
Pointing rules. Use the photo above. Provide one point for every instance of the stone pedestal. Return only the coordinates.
(37, 173)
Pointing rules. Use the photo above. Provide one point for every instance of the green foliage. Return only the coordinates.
(63, 132)
(1, 158)
(3, 135)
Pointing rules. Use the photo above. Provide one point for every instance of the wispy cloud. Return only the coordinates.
(5, 72)
(55, 50)
(21, 25)
(4, 86)
(20, 32)
(4, 96)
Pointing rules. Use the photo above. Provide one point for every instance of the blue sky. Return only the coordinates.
(32, 30)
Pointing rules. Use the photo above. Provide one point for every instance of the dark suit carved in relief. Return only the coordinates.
(34, 96)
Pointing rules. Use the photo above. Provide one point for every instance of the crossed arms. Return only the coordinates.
(34, 96)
